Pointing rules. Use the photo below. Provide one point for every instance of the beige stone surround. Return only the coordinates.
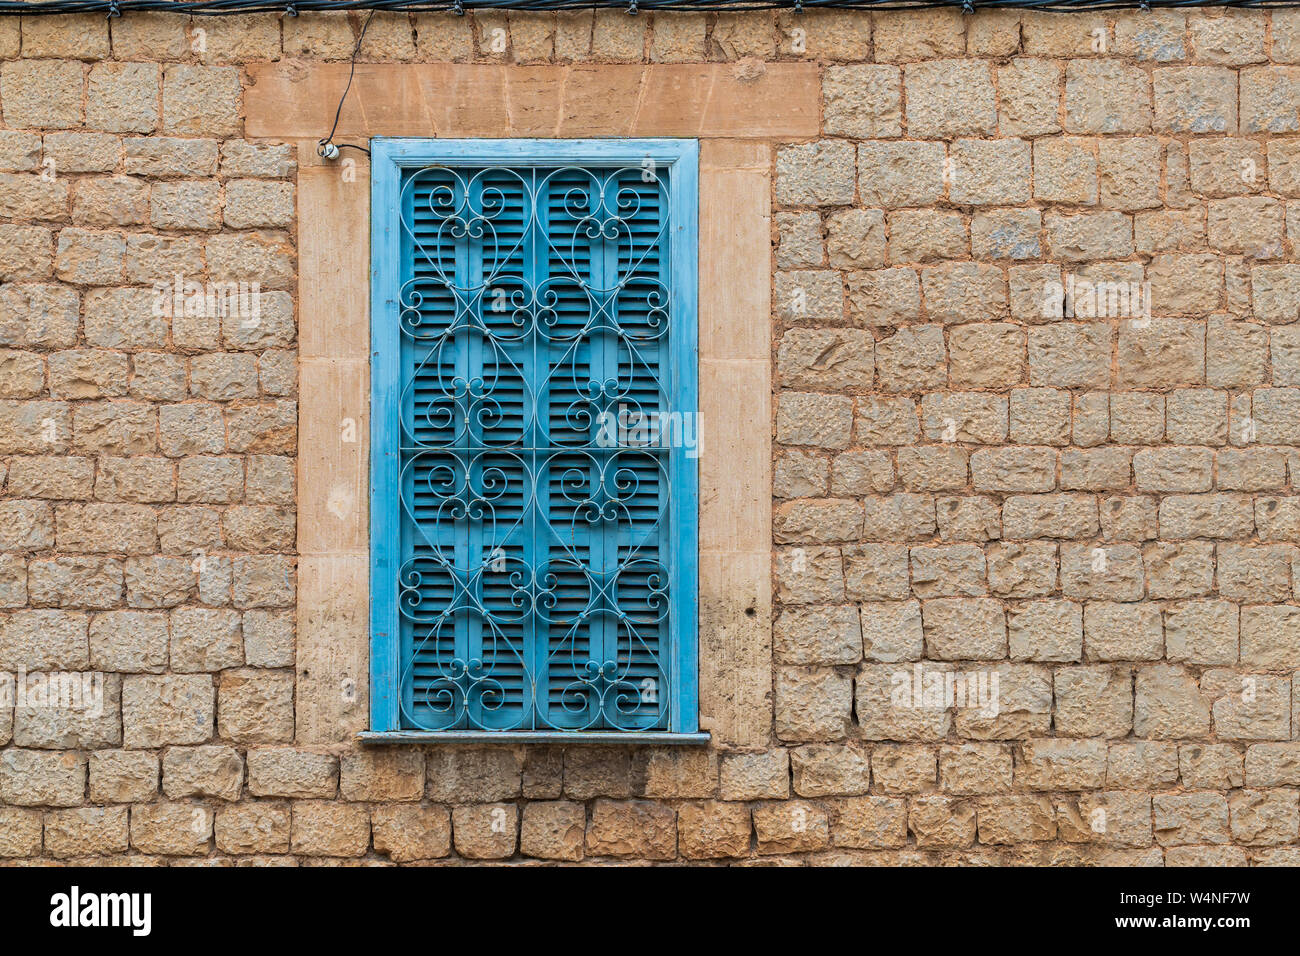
(735, 336)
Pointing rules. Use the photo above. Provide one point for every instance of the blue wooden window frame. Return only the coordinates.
(389, 158)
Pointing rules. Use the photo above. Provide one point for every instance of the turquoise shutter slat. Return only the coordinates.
(545, 536)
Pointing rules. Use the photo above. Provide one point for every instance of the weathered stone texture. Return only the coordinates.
(1035, 348)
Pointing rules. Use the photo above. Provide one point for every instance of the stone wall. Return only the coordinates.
(1082, 509)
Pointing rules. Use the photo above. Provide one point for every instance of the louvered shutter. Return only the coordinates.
(543, 564)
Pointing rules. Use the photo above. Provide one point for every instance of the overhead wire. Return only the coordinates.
(215, 8)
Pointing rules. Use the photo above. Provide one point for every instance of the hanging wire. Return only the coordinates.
(326, 148)
(329, 150)
(114, 8)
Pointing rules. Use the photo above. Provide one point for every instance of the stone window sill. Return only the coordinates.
(655, 738)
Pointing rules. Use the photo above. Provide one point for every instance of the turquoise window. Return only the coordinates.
(534, 438)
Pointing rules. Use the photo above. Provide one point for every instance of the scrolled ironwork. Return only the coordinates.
(534, 320)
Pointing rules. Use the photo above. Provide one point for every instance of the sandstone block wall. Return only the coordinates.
(1036, 313)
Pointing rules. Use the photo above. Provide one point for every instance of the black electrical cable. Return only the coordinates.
(116, 8)
(328, 149)
(323, 146)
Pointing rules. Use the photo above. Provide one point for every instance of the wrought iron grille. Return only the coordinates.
(536, 313)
